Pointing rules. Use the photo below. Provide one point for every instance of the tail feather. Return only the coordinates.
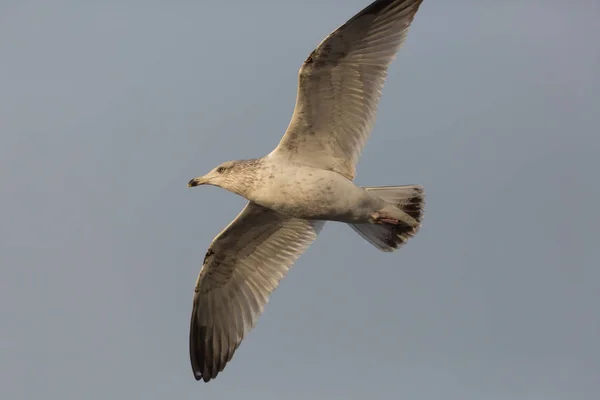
(388, 237)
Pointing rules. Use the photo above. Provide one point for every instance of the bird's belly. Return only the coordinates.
(313, 194)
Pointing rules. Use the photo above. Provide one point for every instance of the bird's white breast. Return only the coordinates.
(310, 193)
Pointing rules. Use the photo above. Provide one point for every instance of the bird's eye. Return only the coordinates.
(221, 169)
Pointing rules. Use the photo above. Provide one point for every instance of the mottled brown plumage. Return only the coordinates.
(305, 181)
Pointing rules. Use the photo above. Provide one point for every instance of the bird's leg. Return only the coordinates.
(380, 219)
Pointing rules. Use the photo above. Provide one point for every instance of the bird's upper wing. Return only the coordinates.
(339, 86)
(243, 265)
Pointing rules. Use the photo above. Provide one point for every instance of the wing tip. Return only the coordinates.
(204, 377)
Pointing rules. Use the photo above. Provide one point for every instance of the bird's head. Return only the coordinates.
(220, 176)
(236, 176)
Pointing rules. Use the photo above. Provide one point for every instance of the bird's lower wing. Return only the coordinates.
(243, 265)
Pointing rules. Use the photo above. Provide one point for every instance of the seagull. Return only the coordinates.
(306, 181)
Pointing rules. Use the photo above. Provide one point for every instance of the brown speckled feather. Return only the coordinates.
(243, 265)
(339, 86)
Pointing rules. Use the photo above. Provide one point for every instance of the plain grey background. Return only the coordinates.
(107, 109)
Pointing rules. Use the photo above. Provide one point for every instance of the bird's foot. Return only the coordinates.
(380, 219)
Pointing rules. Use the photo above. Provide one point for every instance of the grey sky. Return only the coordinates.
(107, 109)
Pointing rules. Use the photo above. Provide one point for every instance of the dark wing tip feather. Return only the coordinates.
(197, 354)
(202, 355)
(324, 55)
(378, 7)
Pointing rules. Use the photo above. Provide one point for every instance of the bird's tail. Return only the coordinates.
(387, 237)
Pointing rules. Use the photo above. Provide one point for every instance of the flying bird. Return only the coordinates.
(306, 181)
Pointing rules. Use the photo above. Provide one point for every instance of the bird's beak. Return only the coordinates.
(197, 181)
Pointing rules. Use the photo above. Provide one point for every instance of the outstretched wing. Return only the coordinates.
(339, 86)
(243, 265)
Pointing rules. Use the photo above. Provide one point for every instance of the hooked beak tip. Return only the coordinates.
(200, 180)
